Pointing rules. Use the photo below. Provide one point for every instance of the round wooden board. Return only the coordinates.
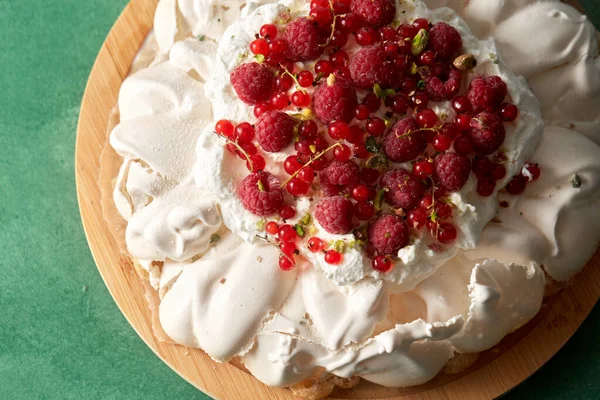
(496, 372)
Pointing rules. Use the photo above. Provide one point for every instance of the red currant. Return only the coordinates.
(442, 210)
(427, 57)
(285, 263)
(366, 36)
(272, 228)
(338, 39)
(427, 118)
(339, 130)
(446, 233)
(421, 23)
(277, 47)
(342, 152)
(333, 257)
(517, 185)
(463, 121)
(297, 187)
(485, 186)
(308, 129)
(244, 132)
(288, 248)
(291, 165)
(426, 202)
(300, 99)
(315, 244)
(307, 174)
(262, 108)
(508, 112)
(287, 212)
(259, 46)
(360, 193)
(441, 142)
(361, 112)
(256, 163)
(400, 104)
(369, 175)
(375, 126)
(224, 127)
(356, 135)
(417, 218)
(534, 170)
(279, 100)
(323, 67)
(382, 264)
(287, 233)
(350, 22)
(420, 100)
(268, 31)
(498, 172)
(423, 169)
(482, 166)
(321, 15)
(450, 130)
(305, 78)
(461, 104)
(339, 58)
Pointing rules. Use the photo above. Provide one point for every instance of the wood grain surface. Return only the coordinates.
(498, 370)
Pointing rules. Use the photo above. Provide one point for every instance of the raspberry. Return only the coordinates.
(488, 133)
(338, 175)
(260, 193)
(274, 131)
(374, 12)
(439, 90)
(444, 40)
(388, 234)
(403, 189)
(253, 82)
(335, 214)
(335, 100)
(487, 94)
(370, 66)
(452, 170)
(302, 40)
(400, 146)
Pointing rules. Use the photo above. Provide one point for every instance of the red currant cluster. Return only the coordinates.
(239, 142)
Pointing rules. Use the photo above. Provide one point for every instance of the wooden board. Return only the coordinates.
(497, 370)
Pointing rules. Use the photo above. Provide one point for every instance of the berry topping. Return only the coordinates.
(260, 194)
(487, 94)
(388, 234)
(370, 66)
(302, 40)
(337, 176)
(444, 40)
(402, 188)
(488, 133)
(335, 100)
(439, 90)
(275, 131)
(405, 141)
(315, 244)
(508, 112)
(382, 264)
(452, 170)
(374, 12)
(253, 82)
(517, 185)
(333, 257)
(335, 214)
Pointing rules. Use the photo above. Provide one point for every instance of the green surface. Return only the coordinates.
(61, 334)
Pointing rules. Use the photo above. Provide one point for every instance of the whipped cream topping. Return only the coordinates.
(176, 188)
(219, 172)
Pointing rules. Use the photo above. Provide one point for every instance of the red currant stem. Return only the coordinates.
(332, 28)
(246, 155)
(434, 219)
(434, 129)
(281, 253)
(295, 79)
(321, 154)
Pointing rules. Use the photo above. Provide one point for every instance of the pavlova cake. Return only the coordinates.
(327, 191)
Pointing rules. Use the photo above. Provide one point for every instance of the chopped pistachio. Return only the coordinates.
(371, 145)
(201, 37)
(379, 199)
(305, 220)
(576, 181)
(465, 62)
(299, 230)
(339, 246)
(260, 225)
(260, 58)
(419, 42)
(261, 186)
(377, 161)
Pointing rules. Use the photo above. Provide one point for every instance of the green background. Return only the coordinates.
(61, 334)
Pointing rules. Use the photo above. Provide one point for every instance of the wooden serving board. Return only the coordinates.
(498, 370)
